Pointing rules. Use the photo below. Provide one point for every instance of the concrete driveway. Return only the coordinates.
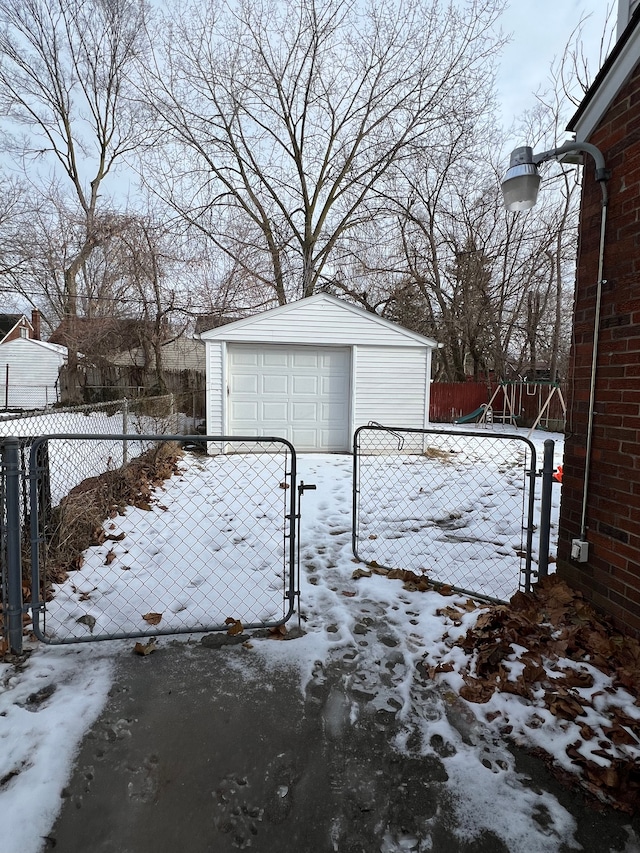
(206, 748)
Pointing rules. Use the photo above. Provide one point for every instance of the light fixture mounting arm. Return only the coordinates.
(602, 173)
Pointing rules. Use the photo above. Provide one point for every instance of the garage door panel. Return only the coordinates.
(246, 411)
(331, 438)
(274, 358)
(304, 438)
(304, 412)
(275, 412)
(244, 383)
(304, 359)
(244, 357)
(278, 384)
(304, 385)
(338, 385)
(298, 393)
(332, 412)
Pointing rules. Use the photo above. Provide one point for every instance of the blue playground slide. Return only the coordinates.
(472, 416)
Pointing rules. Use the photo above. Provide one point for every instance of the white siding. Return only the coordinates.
(391, 386)
(216, 389)
(33, 373)
(389, 376)
(319, 320)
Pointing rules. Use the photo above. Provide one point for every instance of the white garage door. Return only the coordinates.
(297, 393)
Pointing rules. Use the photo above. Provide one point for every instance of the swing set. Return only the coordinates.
(513, 394)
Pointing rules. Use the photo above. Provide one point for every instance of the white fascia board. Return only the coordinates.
(606, 93)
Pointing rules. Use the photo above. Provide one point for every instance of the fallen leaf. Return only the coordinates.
(152, 618)
(145, 648)
(278, 632)
(235, 626)
(360, 573)
(87, 620)
(284, 485)
(348, 594)
(115, 538)
(111, 555)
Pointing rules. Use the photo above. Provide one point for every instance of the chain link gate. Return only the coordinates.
(174, 542)
(455, 507)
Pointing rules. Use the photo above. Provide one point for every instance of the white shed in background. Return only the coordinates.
(313, 371)
(29, 373)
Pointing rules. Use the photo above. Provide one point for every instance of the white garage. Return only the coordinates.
(314, 370)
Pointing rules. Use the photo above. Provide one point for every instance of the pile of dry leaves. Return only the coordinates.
(77, 522)
(545, 647)
(552, 629)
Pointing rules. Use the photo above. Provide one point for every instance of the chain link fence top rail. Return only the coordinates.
(456, 507)
(151, 415)
(214, 541)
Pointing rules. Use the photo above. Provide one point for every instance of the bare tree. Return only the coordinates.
(290, 117)
(63, 67)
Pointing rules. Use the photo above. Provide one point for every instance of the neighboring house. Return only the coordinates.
(29, 372)
(179, 354)
(607, 506)
(314, 370)
(14, 326)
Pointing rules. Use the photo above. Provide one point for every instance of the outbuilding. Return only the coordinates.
(30, 370)
(313, 371)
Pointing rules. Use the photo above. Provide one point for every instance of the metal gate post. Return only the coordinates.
(125, 431)
(545, 508)
(11, 465)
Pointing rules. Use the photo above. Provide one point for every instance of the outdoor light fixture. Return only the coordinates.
(521, 182)
(520, 190)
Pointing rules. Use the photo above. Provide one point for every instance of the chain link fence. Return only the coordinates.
(28, 396)
(171, 542)
(160, 414)
(454, 507)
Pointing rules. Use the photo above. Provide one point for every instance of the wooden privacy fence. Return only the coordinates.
(452, 400)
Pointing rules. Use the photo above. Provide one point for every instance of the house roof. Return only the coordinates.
(615, 71)
(387, 330)
(204, 322)
(20, 343)
(9, 322)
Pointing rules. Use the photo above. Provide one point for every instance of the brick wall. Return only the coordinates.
(611, 577)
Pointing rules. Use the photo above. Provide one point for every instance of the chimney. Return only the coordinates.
(35, 322)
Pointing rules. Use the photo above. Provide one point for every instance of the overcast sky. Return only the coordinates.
(540, 30)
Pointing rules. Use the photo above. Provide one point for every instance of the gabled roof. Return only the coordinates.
(616, 70)
(18, 344)
(8, 322)
(270, 326)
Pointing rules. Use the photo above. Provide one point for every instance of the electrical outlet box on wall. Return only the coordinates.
(579, 550)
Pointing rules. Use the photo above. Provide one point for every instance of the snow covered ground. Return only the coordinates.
(47, 703)
(72, 461)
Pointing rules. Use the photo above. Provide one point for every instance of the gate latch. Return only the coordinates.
(303, 488)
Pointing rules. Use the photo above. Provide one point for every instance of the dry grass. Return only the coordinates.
(77, 522)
